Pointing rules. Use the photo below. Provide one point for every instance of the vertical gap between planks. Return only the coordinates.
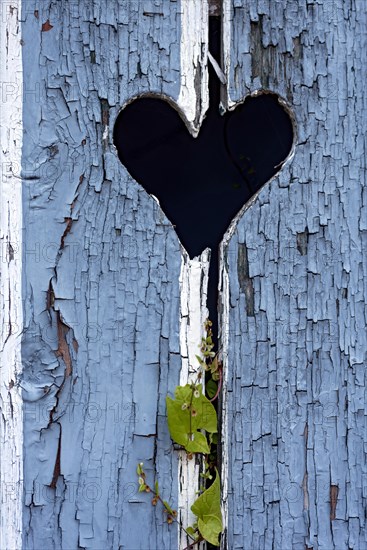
(193, 100)
(193, 282)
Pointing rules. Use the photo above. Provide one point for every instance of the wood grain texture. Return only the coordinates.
(101, 348)
(294, 287)
(11, 425)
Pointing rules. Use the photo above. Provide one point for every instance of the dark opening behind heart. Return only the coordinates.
(202, 183)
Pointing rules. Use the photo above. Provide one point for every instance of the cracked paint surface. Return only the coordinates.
(11, 307)
(101, 347)
(294, 288)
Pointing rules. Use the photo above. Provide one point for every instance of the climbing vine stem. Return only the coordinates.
(193, 424)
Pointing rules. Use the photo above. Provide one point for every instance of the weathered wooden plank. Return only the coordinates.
(295, 401)
(11, 438)
(101, 279)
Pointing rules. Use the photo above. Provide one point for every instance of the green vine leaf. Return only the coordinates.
(211, 388)
(214, 368)
(189, 412)
(207, 509)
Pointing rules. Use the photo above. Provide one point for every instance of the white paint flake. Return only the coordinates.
(193, 99)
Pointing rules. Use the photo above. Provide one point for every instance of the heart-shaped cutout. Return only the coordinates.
(202, 183)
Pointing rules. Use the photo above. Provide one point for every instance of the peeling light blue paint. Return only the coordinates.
(101, 349)
(297, 370)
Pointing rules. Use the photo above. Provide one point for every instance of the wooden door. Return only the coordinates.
(102, 309)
